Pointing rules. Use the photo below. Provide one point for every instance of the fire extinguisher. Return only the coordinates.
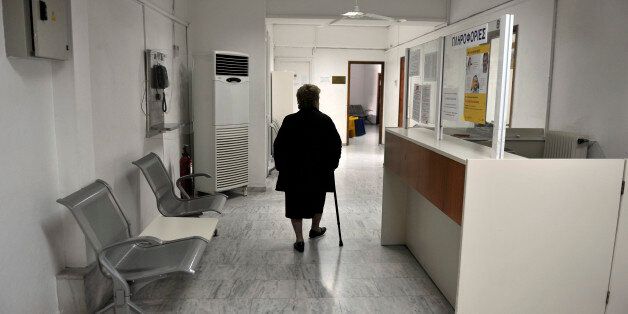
(185, 168)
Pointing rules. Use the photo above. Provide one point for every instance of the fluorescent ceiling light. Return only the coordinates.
(353, 14)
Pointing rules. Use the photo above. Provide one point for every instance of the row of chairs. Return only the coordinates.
(133, 262)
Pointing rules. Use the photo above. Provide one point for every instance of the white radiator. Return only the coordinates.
(565, 145)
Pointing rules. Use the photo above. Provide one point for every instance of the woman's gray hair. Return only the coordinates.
(307, 96)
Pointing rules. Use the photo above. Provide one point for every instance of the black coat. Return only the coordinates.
(307, 151)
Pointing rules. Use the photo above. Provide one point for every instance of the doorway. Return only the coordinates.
(365, 102)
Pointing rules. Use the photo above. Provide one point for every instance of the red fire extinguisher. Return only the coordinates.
(185, 168)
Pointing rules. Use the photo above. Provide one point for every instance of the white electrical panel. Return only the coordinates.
(36, 28)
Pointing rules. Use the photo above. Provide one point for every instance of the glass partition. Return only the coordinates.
(460, 84)
(473, 70)
(424, 75)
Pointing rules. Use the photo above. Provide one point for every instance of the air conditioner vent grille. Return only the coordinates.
(232, 65)
(232, 157)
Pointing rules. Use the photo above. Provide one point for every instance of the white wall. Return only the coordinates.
(73, 130)
(364, 78)
(460, 9)
(117, 64)
(330, 49)
(67, 123)
(238, 25)
(402, 33)
(590, 83)
(30, 221)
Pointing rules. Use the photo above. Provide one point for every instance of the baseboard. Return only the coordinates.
(83, 290)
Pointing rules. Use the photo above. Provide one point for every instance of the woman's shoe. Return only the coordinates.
(299, 246)
(317, 233)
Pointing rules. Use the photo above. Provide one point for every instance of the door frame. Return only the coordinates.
(380, 104)
(383, 72)
(402, 84)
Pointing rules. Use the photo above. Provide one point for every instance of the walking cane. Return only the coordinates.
(337, 214)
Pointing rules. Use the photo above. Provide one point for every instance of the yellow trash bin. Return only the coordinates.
(352, 120)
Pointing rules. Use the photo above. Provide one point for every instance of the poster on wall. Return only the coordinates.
(450, 104)
(416, 103)
(426, 100)
(476, 83)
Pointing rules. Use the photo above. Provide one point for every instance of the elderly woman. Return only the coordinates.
(307, 151)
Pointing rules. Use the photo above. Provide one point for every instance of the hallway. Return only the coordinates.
(252, 267)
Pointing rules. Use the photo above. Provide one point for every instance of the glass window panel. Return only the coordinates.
(470, 78)
(424, 68)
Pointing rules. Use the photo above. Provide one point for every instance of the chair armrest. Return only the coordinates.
(189, 176)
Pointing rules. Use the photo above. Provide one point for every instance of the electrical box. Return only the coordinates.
(36, 28)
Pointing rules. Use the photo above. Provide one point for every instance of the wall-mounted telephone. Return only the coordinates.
(159, 81)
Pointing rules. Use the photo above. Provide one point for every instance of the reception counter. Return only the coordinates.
(514, 235)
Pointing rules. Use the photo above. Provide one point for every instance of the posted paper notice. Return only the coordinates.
(450, 104)
(426, 101)
(416, 103)
(414, 66)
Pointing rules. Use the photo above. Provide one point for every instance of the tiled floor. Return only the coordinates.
(251, 266)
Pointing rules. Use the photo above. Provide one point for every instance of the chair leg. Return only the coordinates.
(121, 298)
(127, 307)
(106, 308)
(135, 308)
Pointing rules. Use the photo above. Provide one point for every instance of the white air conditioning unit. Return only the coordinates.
(220, 88)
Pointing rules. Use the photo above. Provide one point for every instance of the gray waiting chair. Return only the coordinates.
(124, 259)
(168, 203)
(358, 111)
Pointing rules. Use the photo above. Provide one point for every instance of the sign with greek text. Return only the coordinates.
(471, 37)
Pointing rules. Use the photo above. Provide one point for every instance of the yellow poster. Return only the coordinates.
(476, 83)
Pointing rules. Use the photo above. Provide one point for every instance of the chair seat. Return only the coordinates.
(202, 204)
(180, 256)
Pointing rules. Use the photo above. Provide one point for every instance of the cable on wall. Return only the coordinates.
(159, 10)
(174, 19)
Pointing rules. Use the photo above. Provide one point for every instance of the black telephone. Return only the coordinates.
(159, 81)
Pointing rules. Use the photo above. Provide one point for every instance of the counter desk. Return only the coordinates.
(514, 235)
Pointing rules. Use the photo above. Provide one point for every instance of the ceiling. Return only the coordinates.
(411, 10)
(349, 22)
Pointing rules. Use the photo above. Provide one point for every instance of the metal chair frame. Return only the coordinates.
(116, 249)
(166, 197)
